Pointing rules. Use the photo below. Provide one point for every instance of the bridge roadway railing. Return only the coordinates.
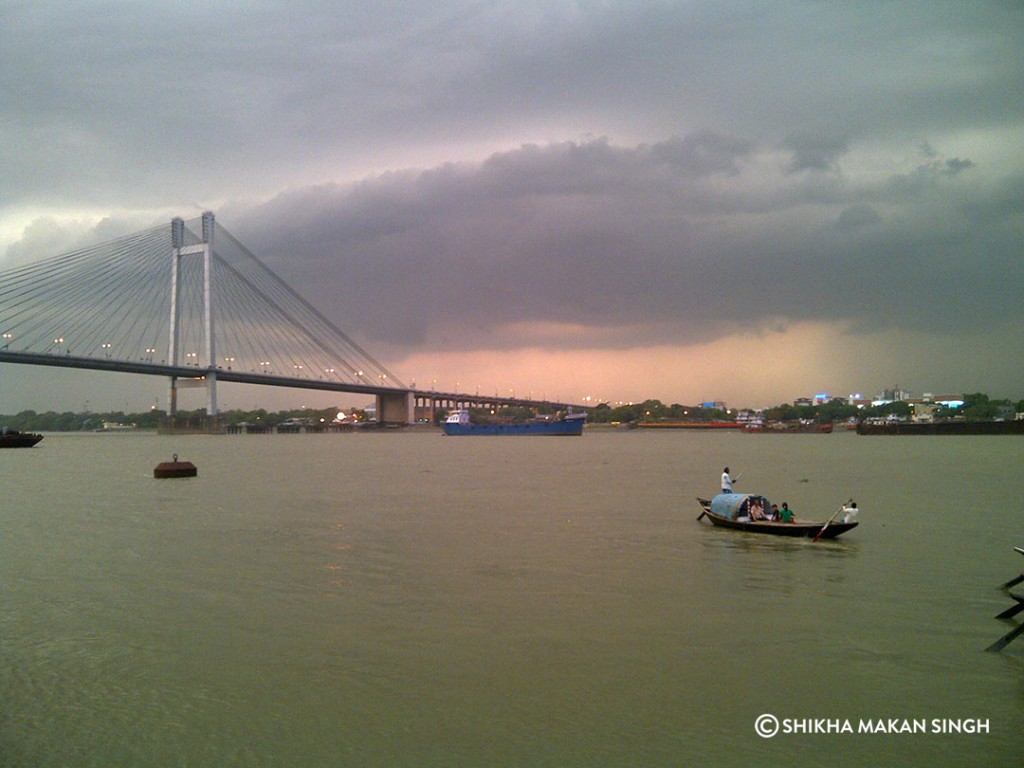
(415, 404)
(188, 372)
(453, 400)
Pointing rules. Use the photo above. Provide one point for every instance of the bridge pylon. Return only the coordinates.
(203, 250)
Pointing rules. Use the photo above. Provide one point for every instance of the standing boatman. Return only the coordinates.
(727, 481)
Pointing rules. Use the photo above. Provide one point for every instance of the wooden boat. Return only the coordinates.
(12, 438)
(731, 510)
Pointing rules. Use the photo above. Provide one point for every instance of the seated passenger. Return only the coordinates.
(775, 512)
(756, 510)
(786, 514)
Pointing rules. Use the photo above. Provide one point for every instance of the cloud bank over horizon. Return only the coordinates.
(674, 200)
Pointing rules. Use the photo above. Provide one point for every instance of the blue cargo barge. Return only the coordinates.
(458, 423)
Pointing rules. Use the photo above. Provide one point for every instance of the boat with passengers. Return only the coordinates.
(738, 511)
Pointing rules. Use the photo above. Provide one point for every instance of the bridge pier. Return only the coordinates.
(395, 408)
(201, 425)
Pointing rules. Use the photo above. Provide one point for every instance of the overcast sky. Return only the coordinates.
(745, 201)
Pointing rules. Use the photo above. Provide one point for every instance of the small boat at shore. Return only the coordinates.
(700, 425)
(458, 424)
(947, 427)
(12, 438)
(732, 510)
(799, 427)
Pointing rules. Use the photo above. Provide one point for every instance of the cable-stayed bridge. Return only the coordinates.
(191, 303)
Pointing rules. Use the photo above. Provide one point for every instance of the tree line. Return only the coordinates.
(976, 407)
(68, 421)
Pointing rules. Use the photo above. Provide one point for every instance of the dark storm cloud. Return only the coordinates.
(109, 102)
(612, 237)
(857, 216)
(814, 154)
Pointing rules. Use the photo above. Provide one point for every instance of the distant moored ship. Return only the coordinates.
(458, 424)
(12, 438)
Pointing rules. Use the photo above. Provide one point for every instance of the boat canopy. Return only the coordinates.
(733, 506)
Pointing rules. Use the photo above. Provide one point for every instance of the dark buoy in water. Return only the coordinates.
(175, 468)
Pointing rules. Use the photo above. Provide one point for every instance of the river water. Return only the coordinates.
(407, 599)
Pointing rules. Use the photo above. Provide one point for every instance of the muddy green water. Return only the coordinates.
(416, 600)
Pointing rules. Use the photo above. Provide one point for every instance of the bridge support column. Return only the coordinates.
(211, 391)
(177, 243)
(207, 251)
(395, 408)
(172, 398)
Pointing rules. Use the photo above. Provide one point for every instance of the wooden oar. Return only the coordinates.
(703, 511)
(737, 478)
(827, 523)
(1006, 639)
